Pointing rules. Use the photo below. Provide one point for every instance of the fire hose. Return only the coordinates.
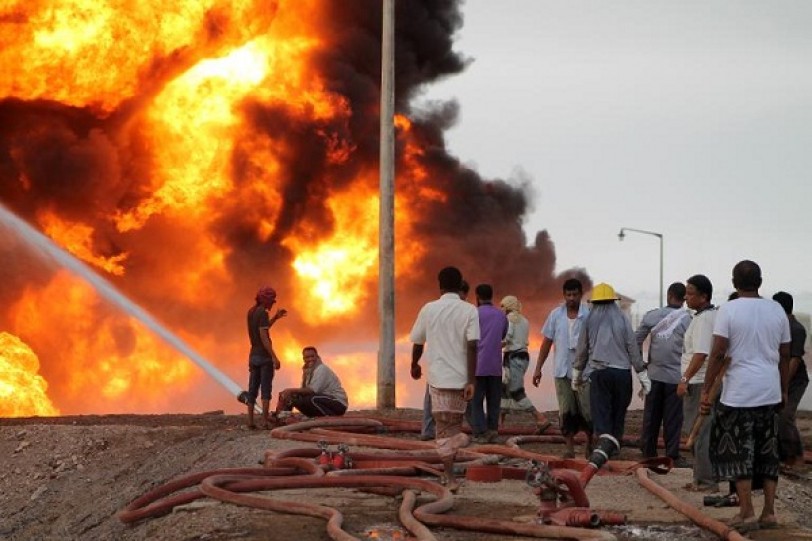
(386, 474)
(722, 530)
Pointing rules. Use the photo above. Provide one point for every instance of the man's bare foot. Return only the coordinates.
(768, 522)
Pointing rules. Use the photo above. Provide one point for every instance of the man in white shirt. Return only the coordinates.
(754, 333)
(450, 326)
(696, 347)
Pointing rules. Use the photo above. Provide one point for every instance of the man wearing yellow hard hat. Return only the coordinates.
(608, 345)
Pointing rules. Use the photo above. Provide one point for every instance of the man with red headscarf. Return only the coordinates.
(262, 361)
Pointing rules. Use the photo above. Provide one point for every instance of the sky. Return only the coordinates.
(692, 119)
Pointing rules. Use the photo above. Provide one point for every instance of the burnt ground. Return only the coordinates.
(68, 477)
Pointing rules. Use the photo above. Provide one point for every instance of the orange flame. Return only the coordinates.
(104, 354)
(23, 391)
(177, 83)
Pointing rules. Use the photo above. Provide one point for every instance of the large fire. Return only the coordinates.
(192, 151)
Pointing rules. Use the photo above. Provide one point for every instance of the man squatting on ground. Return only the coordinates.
(754, 333)
(695, 350)
(561, 330)
(665, 327)
(450, 326)
(608, 344)
(321, 393)
(262, 361)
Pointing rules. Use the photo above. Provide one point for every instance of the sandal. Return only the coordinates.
(728, 500)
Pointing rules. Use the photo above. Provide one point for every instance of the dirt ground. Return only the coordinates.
(68, 477)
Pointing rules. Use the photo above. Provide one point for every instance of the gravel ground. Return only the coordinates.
(68, 477)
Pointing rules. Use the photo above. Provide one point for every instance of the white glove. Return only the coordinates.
(645, 382)
(576, 380)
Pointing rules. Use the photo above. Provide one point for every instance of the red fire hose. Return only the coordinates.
(296, 468)
(695, 515)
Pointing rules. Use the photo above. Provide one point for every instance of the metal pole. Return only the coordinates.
(386, 226)
(622, 235)
(662, 300)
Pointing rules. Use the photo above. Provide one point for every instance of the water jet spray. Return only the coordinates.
(49, 249)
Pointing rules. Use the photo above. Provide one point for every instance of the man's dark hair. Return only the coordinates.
(450, 279)
(573, 284)
(464, 288)
(747, 276)
(677, 290)
(310, 348)
(785, 300)
(484, 292)
(733, 296)
(702, 284)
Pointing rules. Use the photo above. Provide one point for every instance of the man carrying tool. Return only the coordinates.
(696, 347)
(754, 333)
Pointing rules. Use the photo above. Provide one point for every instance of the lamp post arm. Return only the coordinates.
(660, 235)
(654, 234)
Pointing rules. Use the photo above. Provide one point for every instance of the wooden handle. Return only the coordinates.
(712, 394)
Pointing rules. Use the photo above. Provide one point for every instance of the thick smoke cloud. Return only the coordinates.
(89, 165)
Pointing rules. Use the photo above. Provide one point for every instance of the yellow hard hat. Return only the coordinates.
(603, 292)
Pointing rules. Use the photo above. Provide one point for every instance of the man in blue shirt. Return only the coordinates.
(561, 330)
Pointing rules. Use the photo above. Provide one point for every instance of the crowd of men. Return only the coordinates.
(740, 365)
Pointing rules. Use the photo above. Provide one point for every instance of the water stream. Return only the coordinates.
(49, 250)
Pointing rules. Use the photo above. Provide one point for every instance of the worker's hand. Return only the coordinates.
(416, 371)
(280, 313)
(682, 389)
(468, 391)
(276, 364)
(645, 383)
(537, 378)
(704, 403)
(576, 380)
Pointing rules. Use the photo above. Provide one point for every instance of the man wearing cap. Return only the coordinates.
(262, 361)
(608, 345)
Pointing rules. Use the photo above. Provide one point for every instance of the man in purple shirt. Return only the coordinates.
(493, 324)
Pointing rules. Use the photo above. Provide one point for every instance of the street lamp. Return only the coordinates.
(622, 235)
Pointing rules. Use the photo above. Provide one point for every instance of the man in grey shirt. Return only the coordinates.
(666, 328)
(608, 344)
(321, 393)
